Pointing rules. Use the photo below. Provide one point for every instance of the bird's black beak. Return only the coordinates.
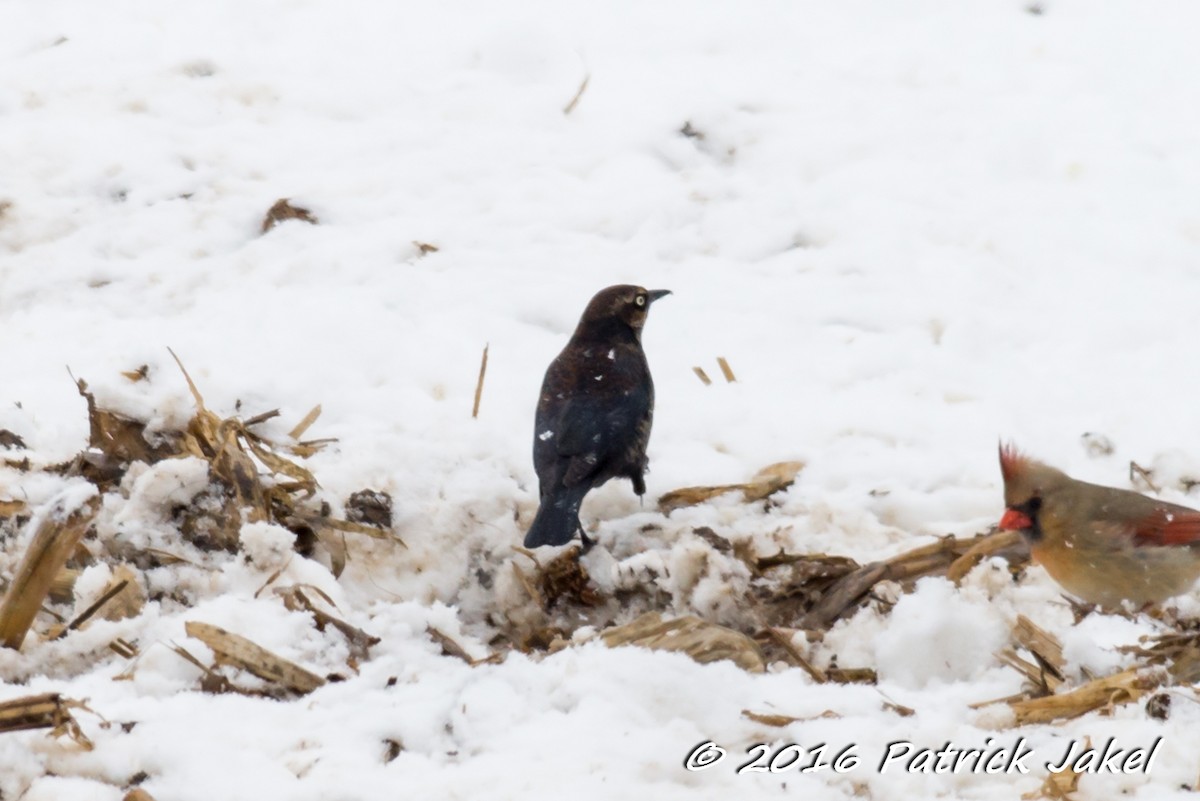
(655, 294)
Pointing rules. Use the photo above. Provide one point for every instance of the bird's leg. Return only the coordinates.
(585, 541)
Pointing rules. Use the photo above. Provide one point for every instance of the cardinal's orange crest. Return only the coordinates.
(1012, 461)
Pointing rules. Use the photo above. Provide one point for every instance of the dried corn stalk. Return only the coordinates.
(237, 651)
(927, 560)
(359, 641)
(57, 533)
(702, 641)
(1178, 651)
(1105, 693)
(990, 545)
(45, 711)
(283, 495)
(1044, 646)
(123, 439)
(769, 480)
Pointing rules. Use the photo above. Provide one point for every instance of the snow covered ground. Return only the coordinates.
(912, 229)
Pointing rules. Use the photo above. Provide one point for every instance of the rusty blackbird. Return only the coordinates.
(594, 414)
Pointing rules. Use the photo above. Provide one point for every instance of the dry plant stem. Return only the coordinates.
(525, 583)
(236, 650)
(479, 384)
(45, 711)
(449, 646)
(298, 431)
(1121, 688)
(1041, 644)
(703, 376)
(766, 482)
(785, 642)
(360, 642)
(990, 545)
(702, 641)
(726, 370)
(87, 614)
(578, 95)
(927, 560)
(1042, 681)
(62, 589)
(259, 419)
(32, 712)
(1136, 471)
(51, 546)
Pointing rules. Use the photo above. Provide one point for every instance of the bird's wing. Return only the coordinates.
(1168, 525)
(591, 430)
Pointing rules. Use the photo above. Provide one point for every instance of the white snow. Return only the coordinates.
(912, 229)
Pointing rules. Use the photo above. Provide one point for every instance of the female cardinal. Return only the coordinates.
(1102, 544)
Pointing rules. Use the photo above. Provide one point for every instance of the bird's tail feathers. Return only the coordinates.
(556, 523)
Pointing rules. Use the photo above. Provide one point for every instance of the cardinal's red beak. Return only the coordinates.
(1015, 521)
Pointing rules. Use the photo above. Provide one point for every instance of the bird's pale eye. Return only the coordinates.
(640, 300)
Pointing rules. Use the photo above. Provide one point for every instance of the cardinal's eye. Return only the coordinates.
(640, 300)
(1035, 503)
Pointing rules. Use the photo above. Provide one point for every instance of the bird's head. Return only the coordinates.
(624, 303)
(1027, 482)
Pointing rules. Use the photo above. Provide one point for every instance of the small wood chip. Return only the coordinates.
(1058, 786)
(305, 423)
(10, 441)
(852, 675)
(10, 508)
(139, 374)
(284, 210)
(138, 794)
(768, 719)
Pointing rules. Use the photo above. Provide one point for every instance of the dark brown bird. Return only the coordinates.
(594, 414)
